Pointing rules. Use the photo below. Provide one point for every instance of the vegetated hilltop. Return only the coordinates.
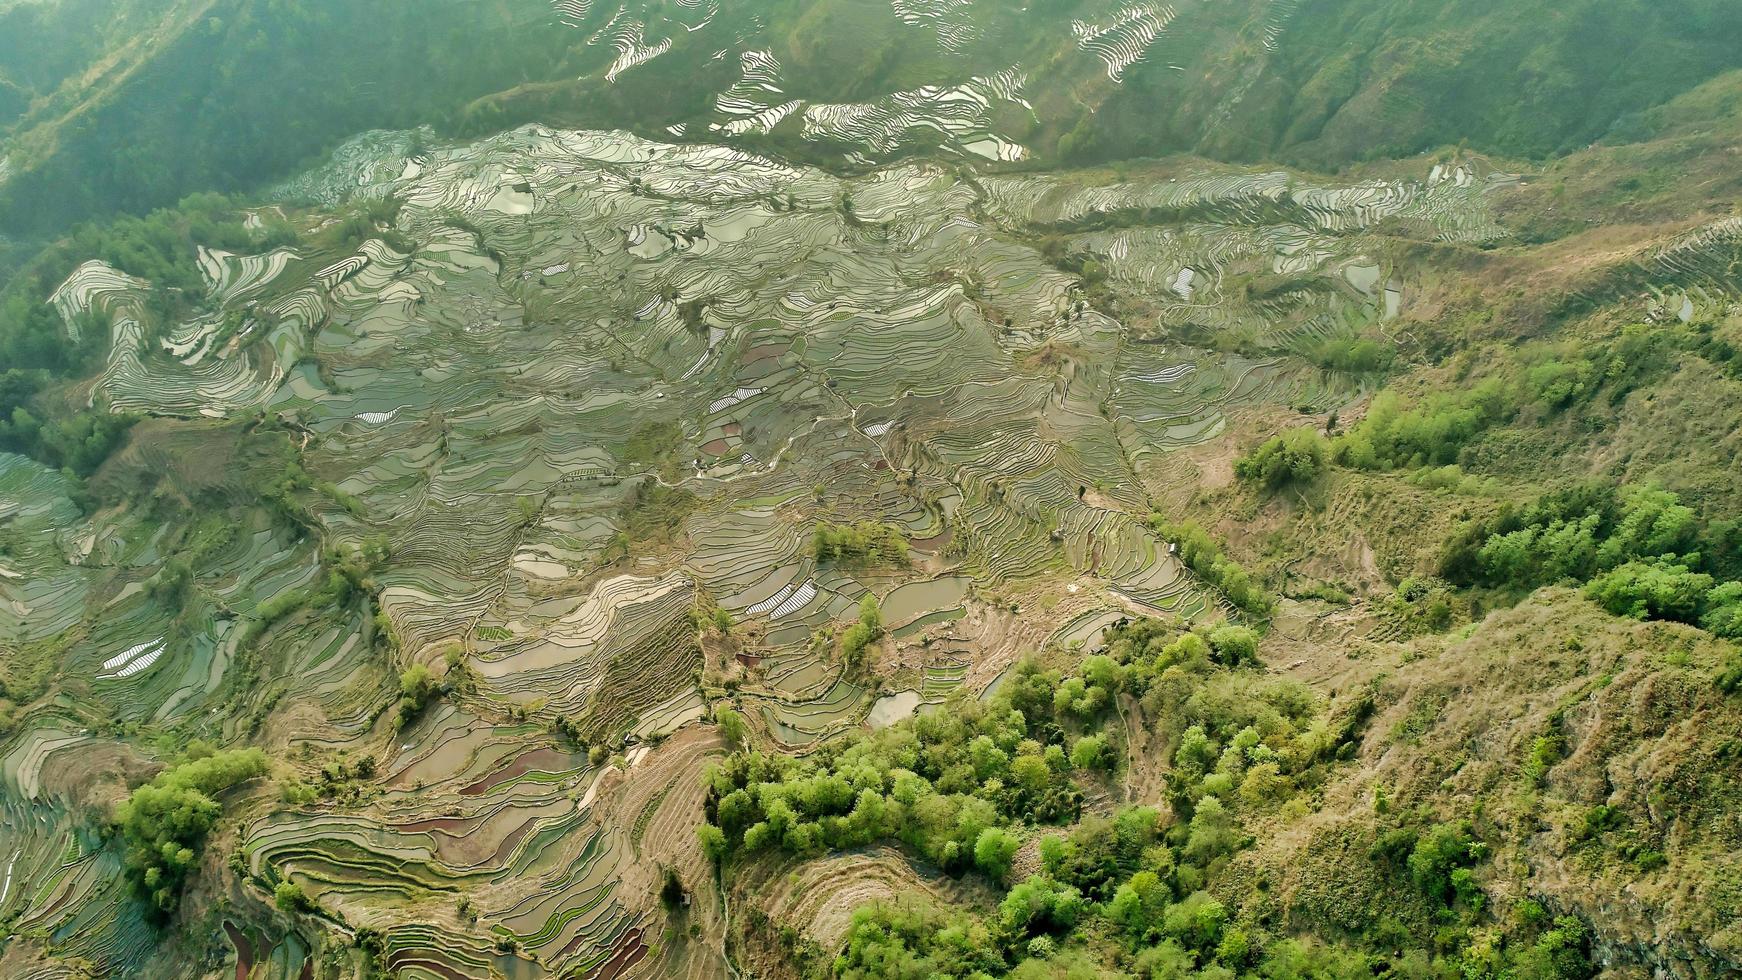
(1428, 808)
(508, 549)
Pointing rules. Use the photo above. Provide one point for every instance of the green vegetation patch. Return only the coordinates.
(165, 822)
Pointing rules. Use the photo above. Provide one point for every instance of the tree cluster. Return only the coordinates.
(1296, 456)
(862, 541)
(1203, 555)
(164, 823)
(1639, 551)
(864, 632)
(417, 687)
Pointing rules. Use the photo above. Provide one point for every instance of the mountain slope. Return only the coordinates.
(858, 489)
(1323, 83)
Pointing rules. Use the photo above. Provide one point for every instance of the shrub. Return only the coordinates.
(1422, 604)
(1438, 854)
(289, 897)
(655, 512)
(1554, 384)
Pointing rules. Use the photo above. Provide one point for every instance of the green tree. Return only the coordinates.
(1138, 907)
(416, 687)
(1203, 555)
(993, 851)
(1090, 753)
(864, 541)
(1723, 616)
(1196, 921)
(731, 723)
(1653, 523)
(862, 633)
(1040, 904)
(1560, 953)
(871, 615)
(713, 841)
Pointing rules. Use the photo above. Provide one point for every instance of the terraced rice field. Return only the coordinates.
(589, 386)
(818, 896)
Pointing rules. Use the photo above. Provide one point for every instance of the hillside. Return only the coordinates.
(1405, 808)
(858, 489)
(97, 110)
